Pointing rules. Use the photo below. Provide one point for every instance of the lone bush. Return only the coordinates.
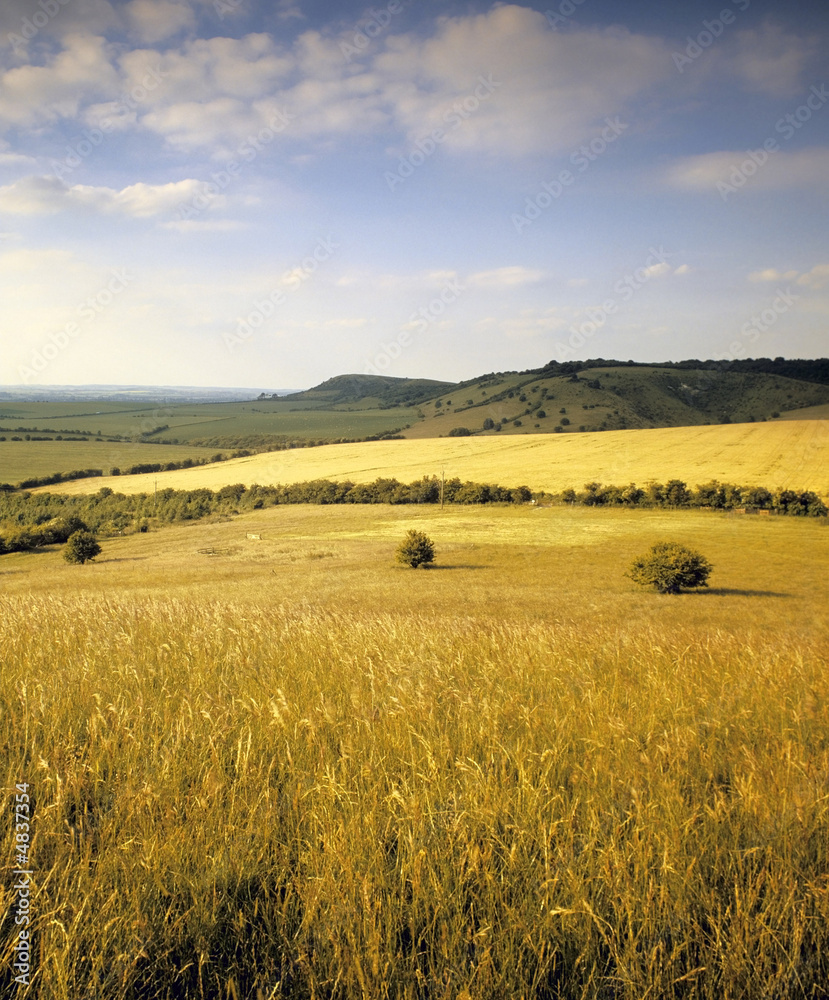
(81, 547)
(668, 567)
(416, 549)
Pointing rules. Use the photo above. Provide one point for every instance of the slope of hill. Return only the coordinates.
(787, 454)
(370, 389)
(613, 399)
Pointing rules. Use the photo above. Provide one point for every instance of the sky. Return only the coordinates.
(241, 193)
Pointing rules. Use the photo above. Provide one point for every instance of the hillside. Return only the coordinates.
(790, 454)
(614, 398)
(383, 390)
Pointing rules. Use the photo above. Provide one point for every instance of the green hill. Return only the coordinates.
(614, 397)
(370, 390)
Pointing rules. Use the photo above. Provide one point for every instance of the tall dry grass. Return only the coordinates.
(242, 801)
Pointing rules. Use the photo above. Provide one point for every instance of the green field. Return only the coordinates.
(20, 460)
(187, 421)
(285, 766)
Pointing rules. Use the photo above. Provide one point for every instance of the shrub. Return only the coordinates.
(416, 549)
(460, 432)
(81, 547)
(668, 567)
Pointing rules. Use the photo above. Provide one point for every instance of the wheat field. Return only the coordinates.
(786, 454)
(287, 767)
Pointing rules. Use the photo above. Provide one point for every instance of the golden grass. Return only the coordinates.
(790, 454)
(290, 768)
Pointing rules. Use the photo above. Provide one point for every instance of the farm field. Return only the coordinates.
(21, 460)
(790, 454)
(186, 421)
(266, 766)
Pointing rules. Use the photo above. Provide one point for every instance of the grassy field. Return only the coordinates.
(21, 460)
(287, 767)
(188, 421)
(791, 454)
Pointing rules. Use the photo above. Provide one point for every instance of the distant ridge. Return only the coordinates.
(131, 393)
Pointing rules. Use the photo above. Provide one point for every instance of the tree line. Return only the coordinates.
(31, 520)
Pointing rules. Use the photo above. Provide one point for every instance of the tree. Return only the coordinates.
(416, 549)
(668, 567)
(81, 547)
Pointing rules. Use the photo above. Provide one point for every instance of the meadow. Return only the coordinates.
(785, 454)
(285, 766)
(193, 421)
(21, 460)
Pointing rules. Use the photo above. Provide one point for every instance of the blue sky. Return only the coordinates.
(231, 192)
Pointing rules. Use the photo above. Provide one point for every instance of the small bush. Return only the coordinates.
(668, 567)
(81, 547)
(460, 432)
(416, 549)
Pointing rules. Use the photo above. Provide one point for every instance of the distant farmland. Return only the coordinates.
(790, 454)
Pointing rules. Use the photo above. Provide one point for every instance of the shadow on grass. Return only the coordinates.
(735, 592)
(459, 566)
(433, 568)
(101, 562)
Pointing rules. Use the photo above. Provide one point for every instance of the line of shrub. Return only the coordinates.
(109, 513)
(715, 495)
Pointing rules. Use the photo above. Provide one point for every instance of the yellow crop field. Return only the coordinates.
(787, 454)
(259, 759)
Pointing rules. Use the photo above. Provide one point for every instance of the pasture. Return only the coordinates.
(286, 767)
(787, 454)
(188, 421)
(20, 460)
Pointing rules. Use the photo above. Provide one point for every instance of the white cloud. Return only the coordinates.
(554, 88)
(205, 226)
(683, 269)
(527, 324)
(504, 277)
(771, 274)
(781, 170)
(818, 277)
(769, 60)
(41, 95)
(656, 270)
(49, 195)
(155, 20)
(92, 17)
